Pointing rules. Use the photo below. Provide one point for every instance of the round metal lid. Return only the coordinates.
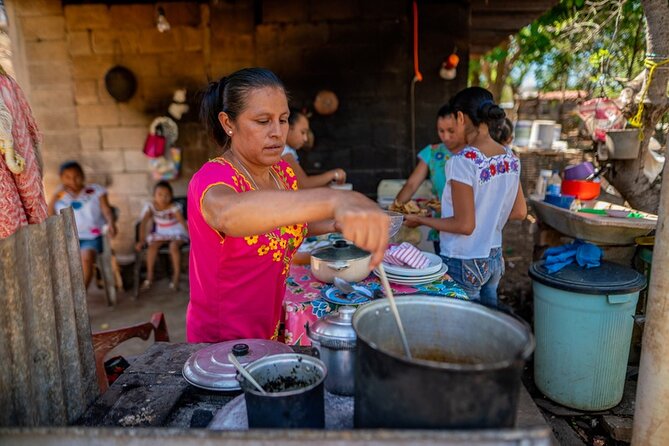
(339, 250)
(608, 278)
(210, 369)
(335, 329)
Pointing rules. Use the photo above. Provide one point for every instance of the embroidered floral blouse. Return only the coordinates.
(237, 284)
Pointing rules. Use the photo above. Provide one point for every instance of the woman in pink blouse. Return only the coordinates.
(247, 217)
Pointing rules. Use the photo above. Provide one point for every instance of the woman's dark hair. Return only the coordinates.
(445, 110)
(478, 104)
(294, 116)
(165, 185)
(229, 95)
(502, 133)
(67, 165)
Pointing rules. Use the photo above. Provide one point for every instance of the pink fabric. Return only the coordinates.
(21, 196)
(406, 254)
(237, 284)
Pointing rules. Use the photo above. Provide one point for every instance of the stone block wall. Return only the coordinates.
(361, 50)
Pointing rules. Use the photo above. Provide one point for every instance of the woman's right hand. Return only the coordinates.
(362, 222)
(339, 176)
(139, 246)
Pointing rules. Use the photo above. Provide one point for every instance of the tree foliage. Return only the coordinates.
(595, 45)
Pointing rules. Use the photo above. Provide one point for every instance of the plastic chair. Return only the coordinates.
(106, 341)
(108, 267)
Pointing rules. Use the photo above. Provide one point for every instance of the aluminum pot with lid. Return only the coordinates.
(340, 259)
(335, 339)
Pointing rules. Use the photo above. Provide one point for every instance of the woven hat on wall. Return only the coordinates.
(121, 83)
(326, 102)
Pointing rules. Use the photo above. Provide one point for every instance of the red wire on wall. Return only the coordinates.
(417, 75)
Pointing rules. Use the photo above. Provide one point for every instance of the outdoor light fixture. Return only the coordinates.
(161, 22)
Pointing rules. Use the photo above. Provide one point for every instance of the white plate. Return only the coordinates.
(416, 280)
(405, 271)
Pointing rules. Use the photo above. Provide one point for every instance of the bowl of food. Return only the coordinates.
(396, 219)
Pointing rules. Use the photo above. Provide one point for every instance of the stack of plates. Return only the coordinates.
(405, 275)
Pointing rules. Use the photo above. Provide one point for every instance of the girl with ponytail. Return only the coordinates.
(482, 193)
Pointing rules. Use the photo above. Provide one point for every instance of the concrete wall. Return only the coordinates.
(362, 50)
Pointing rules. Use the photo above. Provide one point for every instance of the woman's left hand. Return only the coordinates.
(111, 230)
(412, 221)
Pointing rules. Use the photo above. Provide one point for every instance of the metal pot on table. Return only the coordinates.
(335, 339)
(340, 259)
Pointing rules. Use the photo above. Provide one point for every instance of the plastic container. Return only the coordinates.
(542, 134)
(583, 190)
(583, 321)
(521, 133)
(579, 171)
(542, 182)
(554, 184)
(562, 201)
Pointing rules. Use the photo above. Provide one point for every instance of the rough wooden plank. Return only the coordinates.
(68, 344)
(164, 358)
(13, 300)
(86, 354)
(41, 328)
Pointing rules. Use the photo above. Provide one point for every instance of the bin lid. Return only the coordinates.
(608, 278)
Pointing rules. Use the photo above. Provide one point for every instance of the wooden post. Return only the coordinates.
(651, 410)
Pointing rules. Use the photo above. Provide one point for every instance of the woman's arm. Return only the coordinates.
(310, 181)
(413, 183)
(257, 212)
(463, 220)
(519, 209)
(108, 214)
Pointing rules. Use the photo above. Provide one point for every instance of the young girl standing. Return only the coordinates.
(482, 193)
(169, 227)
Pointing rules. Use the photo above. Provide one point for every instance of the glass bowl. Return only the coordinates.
(396, 220)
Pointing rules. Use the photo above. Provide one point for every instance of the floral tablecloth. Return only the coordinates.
(304, 303)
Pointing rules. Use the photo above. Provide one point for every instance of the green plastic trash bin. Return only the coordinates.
(583, 322)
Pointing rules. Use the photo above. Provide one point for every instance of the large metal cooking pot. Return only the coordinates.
(340, 259)
(465, 372)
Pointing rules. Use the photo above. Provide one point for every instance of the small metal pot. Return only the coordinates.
(341, 259)
(335, 339)
(302, 407)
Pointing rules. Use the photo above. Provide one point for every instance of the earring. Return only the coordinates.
(229, 132)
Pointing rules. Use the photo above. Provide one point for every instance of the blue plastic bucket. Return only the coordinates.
(583, 320)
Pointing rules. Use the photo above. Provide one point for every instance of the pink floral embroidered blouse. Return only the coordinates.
(237, 284)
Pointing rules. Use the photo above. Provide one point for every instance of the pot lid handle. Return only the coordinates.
(240, 349)
(346, 313)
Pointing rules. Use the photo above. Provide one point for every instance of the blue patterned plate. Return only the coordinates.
(334, 296)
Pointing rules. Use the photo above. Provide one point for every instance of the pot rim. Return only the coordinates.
(271, 359)
(509, 319)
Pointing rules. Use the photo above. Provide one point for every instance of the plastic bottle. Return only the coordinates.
(542, 183)
(554, 184)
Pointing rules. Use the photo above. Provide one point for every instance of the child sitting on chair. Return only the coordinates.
(169, 227)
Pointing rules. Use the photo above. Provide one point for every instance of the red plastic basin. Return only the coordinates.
(583, 190)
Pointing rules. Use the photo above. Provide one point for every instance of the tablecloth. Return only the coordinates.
(304, 303)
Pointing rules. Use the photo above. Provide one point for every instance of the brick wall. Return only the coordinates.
(361, 50)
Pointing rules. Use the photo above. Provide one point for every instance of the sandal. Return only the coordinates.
(174, 286)
(145, 285)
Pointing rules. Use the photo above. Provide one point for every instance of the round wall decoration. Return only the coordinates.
(326, 102)
(121, 83)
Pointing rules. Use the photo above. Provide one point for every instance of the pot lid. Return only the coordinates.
(335, 330)
(210, 369)
(339, 250)
(608, 278)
